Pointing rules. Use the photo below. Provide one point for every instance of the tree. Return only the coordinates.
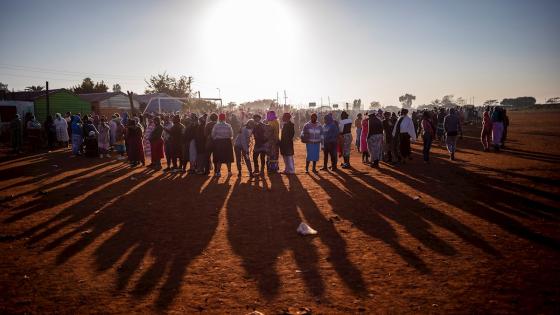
(406, 100)
(435, 102)
(553, 100)
(116, 87)
(3, 87)
(163, 83)
(519, 101)
(374, 105)
(88, 86)
(34, 88)
(448, 101)
(231, 105)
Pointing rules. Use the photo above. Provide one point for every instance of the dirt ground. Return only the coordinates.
(477, 235)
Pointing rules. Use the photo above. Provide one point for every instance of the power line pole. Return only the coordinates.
(285, 98)
(48, 100)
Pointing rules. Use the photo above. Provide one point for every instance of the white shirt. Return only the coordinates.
(407, 126)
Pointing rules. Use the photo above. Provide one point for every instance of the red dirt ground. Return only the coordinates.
(92, 236)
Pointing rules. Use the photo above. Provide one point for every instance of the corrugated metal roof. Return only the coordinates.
(29, 96)
(97, 97)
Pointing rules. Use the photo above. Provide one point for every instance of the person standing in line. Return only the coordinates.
(311, 136)
(61, 127)
(77, 135)
(176, 137)
(440, 133)
(16, 134)
(387, 137)
(134, 134)
(506, 125)
(222, 134)
(428, 134)
(486, 133)
(358, 125)
(167, 146)
(34, 133)
(113, 129)
(330, 139)
(104, 137)
(156, 144)
(287, 144)
(91, 136)
(242, 145)
(403, 133)
(363, 140)
(452, 127)
(345, 127)
(120, 143)
(190, 142)
(375, 139)
(209, 141)
(497, 128)
(260, 149)
(202, 168)
(50, 130)
(273, 138)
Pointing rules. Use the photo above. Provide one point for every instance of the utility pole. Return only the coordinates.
(48, 100)
(285, 98)
(129, 93)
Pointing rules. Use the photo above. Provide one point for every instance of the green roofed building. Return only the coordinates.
(61, 101)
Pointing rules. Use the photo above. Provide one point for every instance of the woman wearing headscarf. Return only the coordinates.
(77, 135)
(311, 135)
(167, 125)
(387, 137)
(147, 133)
(273, 138)
(403, 133)
(241, 147)
(363, 139)
(113, 128)
(61, 127)
(330, 139)
(104, 137)
(222, 135)
(134, 134)
(345, 127)
(90, 135)
(156, 144)
(375, 139)
(486, 133)
(287, 144)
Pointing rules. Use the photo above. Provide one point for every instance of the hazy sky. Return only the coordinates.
(250, 49)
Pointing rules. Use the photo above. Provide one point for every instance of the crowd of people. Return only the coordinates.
(198, 143)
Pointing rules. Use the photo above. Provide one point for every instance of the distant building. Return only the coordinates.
(109, 103)
(158, 102)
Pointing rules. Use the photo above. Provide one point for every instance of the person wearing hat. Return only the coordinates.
(241, 147)
(222, 135)
(287, 144)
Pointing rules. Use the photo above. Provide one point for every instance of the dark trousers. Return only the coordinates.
(256, 156)
(427, 138)
(330, 149)
(238, 154)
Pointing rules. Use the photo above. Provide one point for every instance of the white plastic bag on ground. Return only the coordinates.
(305, 229)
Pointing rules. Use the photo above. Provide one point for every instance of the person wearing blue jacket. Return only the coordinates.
(330, 140)
(77, 134)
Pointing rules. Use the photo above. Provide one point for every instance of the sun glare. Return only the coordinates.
(250, 37)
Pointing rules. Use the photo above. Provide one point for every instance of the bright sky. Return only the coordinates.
(252, 49)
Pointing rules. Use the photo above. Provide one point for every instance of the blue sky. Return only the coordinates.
(250, 49)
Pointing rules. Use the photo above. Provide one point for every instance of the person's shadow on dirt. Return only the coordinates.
(168, 222)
